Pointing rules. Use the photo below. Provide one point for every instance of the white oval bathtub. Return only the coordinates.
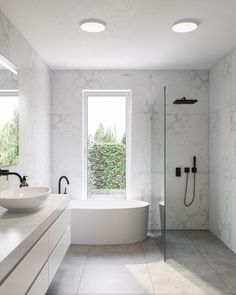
(108, 222)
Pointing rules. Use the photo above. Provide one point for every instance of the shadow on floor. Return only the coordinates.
(197, 263)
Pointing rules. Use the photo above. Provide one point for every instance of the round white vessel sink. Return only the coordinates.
(24, 199)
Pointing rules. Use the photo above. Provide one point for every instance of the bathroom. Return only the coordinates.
(166, 70)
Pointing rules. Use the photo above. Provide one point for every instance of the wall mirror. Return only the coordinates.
(9, 113)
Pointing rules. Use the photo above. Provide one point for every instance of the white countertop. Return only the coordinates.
(19, 231)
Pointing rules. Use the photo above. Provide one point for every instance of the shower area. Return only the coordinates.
(176, 129)
(180, 162)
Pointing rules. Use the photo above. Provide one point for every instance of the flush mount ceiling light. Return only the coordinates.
(93, 25)
(185, 26)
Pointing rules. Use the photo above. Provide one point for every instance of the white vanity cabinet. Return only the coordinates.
(41, 284)
(34, 272)
(25, 272)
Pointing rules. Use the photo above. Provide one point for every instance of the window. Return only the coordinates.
(106, 144)
(9, 129)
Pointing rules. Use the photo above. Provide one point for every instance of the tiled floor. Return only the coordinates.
(198, 263)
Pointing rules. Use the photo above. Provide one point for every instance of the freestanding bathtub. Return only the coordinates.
(108, 222)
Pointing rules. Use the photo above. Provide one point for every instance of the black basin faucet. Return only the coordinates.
(59, 183)
(21, 178)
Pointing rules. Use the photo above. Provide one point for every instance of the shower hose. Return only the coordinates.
(186, 190)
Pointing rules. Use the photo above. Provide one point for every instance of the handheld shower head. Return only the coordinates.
(185, 101)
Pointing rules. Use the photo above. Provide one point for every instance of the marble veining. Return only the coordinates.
(64, 115)
(222, 149)
(187, 134)
(34, 107)
(8, 80)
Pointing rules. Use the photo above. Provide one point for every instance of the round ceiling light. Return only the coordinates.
(93, 25)
(185, 26)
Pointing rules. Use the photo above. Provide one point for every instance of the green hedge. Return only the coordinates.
(9, 141)
(106, 166)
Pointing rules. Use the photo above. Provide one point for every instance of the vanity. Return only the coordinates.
(33, 245)
(33, 240)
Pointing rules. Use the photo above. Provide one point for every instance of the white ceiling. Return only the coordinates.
(138, 34)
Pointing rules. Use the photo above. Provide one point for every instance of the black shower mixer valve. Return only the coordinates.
(194, 168)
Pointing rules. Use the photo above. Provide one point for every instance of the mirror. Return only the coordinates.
(9, 114)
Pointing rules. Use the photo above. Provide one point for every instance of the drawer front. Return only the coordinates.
(40, 286)
(59, 253)
(58, 228)
(23, 275)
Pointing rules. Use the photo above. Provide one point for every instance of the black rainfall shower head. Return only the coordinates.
(185, 101)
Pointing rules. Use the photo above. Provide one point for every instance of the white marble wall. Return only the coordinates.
(67, 89)
(187, 126)
(34, 87)
(8, 80)
(187, 135)
(222, 150)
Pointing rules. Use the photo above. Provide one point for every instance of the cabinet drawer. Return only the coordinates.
(23, 275)
(58, 254)
(58, 228)
(40, 286)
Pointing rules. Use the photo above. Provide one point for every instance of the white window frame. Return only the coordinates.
(85, 95)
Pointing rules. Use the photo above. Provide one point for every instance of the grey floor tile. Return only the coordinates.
(217, 252)
(118, 254)
(76, 254)
(177, 237)
(152, 250)
(224, 267)
(149, 242)
(115, 279)
(177, 253)
(200, 235)
(66, 280)
(229, 280)
(185, 279)
(227, 273)
(198, 263)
